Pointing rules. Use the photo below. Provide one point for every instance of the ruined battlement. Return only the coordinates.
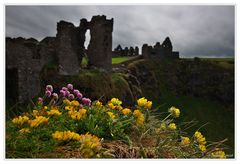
(160, 51)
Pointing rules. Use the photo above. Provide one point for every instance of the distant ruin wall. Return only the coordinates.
(163, 50)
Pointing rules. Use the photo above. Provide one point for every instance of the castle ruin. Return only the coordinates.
(164, 50)
(25, 58)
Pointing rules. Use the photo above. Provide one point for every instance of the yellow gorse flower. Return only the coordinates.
(218, 154)
(137, 113)
(116, 101)
(20, 120)
(66, 102)
(74, 103)
(126, 111)
(65, 136)
(35, 113)
(54, 112)
(90, 144)
(99, 104)
(199, 138)
(185, 141)
(24, 130)
(172, 126)
(37, 121)
(202, 147)
(144, 103)
(111, 106)
(139, 117)
(111, 115)
(175, 112)
(77, 115)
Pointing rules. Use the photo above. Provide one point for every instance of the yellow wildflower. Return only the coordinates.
(149, 105)
(111, 106)
(185, 141)
(119, 107)
(172, 126)
(37, 121)
(111, 115)
(199, 137)
(137, 113)
(202, 147)
(99, 104)
(69, 108)
(142, 102)
(82, 111)
(126, 111)
(139, 117)
(24, 130)
(140, 120)
(174, 111)
(65, 136)
(90, 145)
(74, 103)
(54, 112)
(66, 102)
(20, 120)
(163, 126)
(35, 113)
(77, 115)
(218, 153)
(45, 108)
(116, 101)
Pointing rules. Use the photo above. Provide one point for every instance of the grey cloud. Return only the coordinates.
(194, 30)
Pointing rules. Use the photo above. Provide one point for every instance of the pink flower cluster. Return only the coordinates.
(66, 92)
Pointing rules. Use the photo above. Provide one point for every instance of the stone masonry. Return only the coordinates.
(163, 50)
(27, 57)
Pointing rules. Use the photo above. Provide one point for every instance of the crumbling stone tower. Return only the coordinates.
(68, 46)
(100, 47)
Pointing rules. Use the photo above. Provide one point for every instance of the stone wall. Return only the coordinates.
(100, 46)
(163, 50)
(118, 51)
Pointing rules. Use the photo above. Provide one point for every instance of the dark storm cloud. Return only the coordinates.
(194, 30)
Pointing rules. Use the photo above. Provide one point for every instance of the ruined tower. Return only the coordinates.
(100, 46)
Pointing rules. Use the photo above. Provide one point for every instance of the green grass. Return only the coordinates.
(117, 60)
(219, 121)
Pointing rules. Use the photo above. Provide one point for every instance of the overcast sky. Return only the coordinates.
(206, 31)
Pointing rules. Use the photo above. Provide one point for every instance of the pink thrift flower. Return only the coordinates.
(49, 88)
(70, 86)
(55, 95)
(40, 100)
(79, 95)
(71, 96)
(76, 91)
(64, 89)
(48, 93)
(67, 93)
(86, 101)
(63, 93)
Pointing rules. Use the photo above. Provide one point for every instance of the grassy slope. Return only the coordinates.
(219, 122)
(117, 60)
